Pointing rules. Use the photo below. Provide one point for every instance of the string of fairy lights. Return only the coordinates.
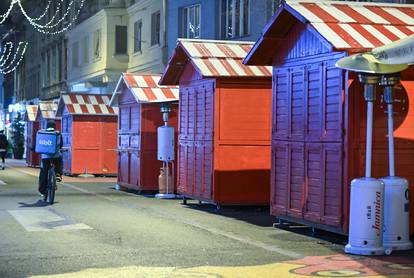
(60, 20)
(9, 65)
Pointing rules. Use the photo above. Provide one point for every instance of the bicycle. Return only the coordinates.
(51, 183)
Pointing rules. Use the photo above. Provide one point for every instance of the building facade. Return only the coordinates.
(241, 20)
(98, 50)
(114, 36)
(147, 43)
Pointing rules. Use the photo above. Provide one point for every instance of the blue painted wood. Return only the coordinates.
(298, 43)
(66, 130)
(307, 162)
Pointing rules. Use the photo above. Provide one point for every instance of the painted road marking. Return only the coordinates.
(45, 219)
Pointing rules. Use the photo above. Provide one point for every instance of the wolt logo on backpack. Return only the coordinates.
(46, 142)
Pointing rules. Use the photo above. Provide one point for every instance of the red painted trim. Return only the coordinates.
(352, 14)
(150, 81)
(130, 80)
(344, 35)
(386, 32)
(405, 30)
(148, 92)
(168, 93)
(319, 12)
(385, 15)
(371, 38)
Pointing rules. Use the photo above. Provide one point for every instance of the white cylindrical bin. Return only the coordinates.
(396, 214)
(366, 217)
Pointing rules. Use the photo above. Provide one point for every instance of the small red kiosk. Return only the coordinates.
(138, 98)
(224, 122)
(32, 126)
(89, 134)
(318, 139)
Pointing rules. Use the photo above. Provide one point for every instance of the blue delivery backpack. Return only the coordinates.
(47, 142)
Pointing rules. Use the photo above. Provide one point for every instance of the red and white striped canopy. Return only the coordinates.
(357, 25)
(212, 59)
(47, 110)
(145, 89)
(31, 111)
(222, 58)
(86, 104)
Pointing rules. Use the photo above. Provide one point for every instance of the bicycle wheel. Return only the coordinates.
(51, 185)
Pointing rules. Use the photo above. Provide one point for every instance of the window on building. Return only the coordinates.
(86, 49)
(138, 36)
(75, 54)
(155, 28)
(97, 44)
(191, 21)
(235, 18)
(121, 39)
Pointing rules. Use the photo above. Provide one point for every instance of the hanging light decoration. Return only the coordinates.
(9, 63)
(6, 53)
(57, 24)
(4, 16)
(60, 21)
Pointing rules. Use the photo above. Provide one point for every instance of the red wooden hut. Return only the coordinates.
(318, 139)
(224, 122)
(89, 134)
(138, 98)
(32, 126)
(46, 112)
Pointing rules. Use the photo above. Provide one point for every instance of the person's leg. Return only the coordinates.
(59, 165)
(43, 176)
(58, 161)
(3, 159)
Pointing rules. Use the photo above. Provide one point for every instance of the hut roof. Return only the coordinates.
(47, 110)
(31, 111)
(145, 89)
(212, 59)
(86, 104)
(349, 26)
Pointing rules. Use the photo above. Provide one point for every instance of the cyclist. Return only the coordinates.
(3, 148)
(46, 159)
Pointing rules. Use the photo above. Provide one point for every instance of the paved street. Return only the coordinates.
(96, 231)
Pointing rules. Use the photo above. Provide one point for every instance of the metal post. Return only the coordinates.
(369, 94)
(389, 100)
(166, 177)
(368, 158)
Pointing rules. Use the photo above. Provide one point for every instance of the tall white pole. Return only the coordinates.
(370, 96)
(368, 158)
(391, 141)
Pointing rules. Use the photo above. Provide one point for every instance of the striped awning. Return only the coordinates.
(86, 104)
(31, 111)
(346, 26)
(145, 89)
(47, 110)
(213, 59)
(360, 25)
